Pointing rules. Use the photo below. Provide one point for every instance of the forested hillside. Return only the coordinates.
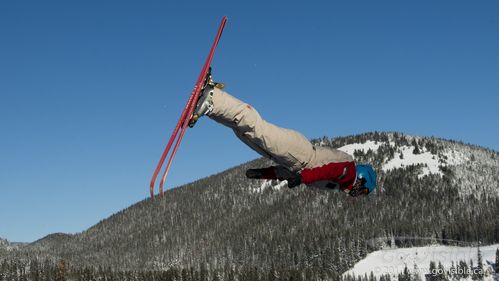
(226, 226)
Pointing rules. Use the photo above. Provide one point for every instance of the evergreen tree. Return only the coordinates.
(3, 270)
(416, 147)
(231, 275)
(452, 275)
(271, 276)
(34, 270)
(444, 237)
(405, 275)
(185, 275)
(203, 272)
(385, 277)
(463, 269)
(497, 260)
(479, 267)
(433, 270)
(415, 274)
(441, 276)
(48, 271)
(472, 267)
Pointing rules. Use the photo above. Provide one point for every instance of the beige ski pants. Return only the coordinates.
(284, 146)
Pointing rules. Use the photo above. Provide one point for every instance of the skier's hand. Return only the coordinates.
(359, 188)
(283, 173)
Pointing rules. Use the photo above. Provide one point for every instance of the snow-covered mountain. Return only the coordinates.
(434, 189)
(417, 259)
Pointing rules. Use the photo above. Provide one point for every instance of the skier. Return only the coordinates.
(299, 161)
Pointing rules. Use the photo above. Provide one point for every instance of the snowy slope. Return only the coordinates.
(350, 148)
(428, 160)
(405, 156)
(393, 261)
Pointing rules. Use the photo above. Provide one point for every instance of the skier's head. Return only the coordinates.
(366, 177)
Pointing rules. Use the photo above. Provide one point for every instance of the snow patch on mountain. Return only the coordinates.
(406, 157)
(350, 148)
(393, 261)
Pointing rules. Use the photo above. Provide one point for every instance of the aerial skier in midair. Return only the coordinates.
(298, 160)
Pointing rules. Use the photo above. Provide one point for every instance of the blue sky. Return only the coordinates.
(91, 90)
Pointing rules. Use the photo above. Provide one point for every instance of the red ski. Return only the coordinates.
(185, 117)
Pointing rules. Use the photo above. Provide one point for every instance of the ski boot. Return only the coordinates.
(204, 104)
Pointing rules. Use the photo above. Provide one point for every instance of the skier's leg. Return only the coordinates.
(286, 147)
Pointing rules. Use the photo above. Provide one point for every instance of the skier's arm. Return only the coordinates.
(275, 172)
(340, 172)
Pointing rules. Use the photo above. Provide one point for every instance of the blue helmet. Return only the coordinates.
(367, 176)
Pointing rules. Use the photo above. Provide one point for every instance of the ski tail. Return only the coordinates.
(179, 130)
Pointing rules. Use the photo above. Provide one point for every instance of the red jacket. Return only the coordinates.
(342, 173)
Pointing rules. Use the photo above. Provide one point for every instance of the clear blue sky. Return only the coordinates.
(90, 90)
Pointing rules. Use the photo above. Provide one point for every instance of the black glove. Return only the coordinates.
(275, 172)
(262, 173)
(293, 178)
